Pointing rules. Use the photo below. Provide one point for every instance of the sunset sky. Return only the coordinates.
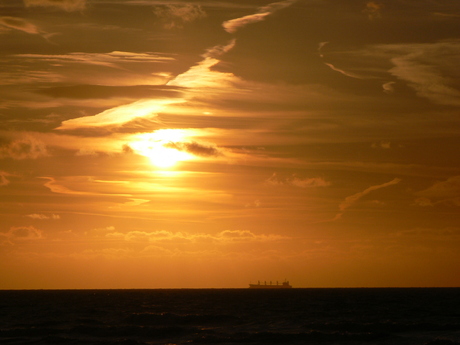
(215, 143)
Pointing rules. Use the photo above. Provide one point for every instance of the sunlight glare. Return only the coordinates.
(154, 146)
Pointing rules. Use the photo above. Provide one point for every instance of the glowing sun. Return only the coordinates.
(158, 147)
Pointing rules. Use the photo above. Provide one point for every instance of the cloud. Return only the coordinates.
(86, 152)
(66, 5)
(352, 199)
(429, 68)
(246, 236)
(3, 178)
(196, 149)
(20, 24)
(348, 74)
(446, 14)
(332, 67)
(296, 181)
(233, 25)
(309, 182)
(443, 192)
(226, 236)
(201, 74)
(118, 116)
(136, 202)
(113, 59)
(389, 87)
(24, 148)
(57, 188)
(320, 48)
(43, 216)
(382, 145)
(105, 91)
(54, 187)
(373, 10)
(20, 233)
(175, 16)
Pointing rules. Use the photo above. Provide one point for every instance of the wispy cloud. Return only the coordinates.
(334, 68)
(118, 116)
(201, 75)
(348, 74)
(3, 178)
(24, 148)
(382, 145)
(20, 24)
(226, 236)
(320, 48)
(66, 5)
(40, 216)
(429, 68)
(296, 181)
(175, 16)
(233, 25)
(20, 234)
(112, 59)
(443, 192)
(197, 149)
(54, 186)
(373, 10)
(23, 25)
(389, 87)
(441, 14)
(352, 199)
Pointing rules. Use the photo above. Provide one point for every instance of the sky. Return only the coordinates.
(217, 143)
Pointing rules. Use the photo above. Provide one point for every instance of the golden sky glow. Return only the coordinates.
(158, 144)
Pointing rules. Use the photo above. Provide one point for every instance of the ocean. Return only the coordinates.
(406, 316)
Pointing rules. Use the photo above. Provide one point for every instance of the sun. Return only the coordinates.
(164, 157)
(158, 147)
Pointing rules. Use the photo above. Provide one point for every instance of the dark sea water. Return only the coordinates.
(231, 316)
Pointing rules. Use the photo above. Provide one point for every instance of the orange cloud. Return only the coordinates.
(19, 24)
(443, 192)
(118, 116)
(3, 178)
(67, 5)
(201, 74)
(43, 216)
(24, 148)
(226, 236)
(20, 233)
(175, 16)
(373, 10)
(296, 181)
(233, 25)
(350, 200)
(196, 149)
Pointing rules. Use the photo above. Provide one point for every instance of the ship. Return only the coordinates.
(283, 285)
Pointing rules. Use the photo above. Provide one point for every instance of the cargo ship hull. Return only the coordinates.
(284, 285)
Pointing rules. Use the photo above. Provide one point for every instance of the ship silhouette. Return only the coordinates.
(283, 285)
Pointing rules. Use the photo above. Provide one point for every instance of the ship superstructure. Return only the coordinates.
(283, 285)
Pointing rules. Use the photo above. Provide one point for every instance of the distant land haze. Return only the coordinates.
(205, 144)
